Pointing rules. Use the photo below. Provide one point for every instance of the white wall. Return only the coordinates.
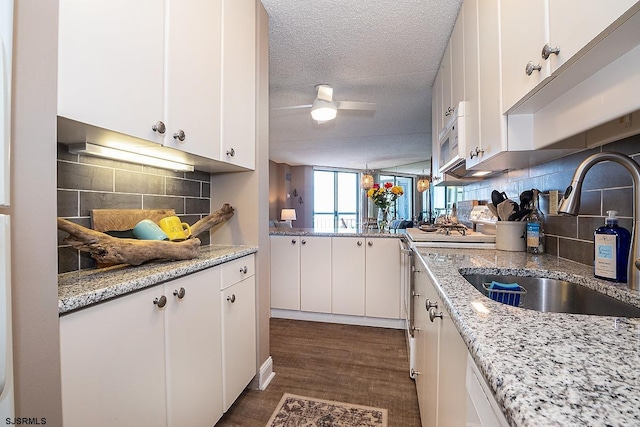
(33, 209)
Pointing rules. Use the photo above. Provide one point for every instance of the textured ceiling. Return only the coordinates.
(382, 51)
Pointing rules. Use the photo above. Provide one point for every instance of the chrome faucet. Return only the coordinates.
(570, 204)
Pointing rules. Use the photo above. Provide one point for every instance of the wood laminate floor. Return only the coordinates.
(354, 364)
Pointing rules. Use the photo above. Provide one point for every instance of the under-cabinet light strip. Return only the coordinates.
(127, 156)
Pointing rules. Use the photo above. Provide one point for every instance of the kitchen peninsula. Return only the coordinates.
(541, 368)
(338, 275)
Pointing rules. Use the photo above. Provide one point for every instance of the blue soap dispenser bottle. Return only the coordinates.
(612, 244)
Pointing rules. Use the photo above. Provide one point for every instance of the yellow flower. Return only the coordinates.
(397, 190)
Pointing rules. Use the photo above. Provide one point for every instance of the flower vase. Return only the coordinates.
(383, 220)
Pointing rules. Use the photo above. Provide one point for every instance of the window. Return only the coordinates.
(335, 199)
(403, 207)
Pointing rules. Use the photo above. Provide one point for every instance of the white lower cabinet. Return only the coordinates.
(285, 272)
(113, 363)
(192, 341)
(353, 276)
(315, 274)
(348, 275)
(238, 303)
(382, 278)
(169, 355)
(441, 358)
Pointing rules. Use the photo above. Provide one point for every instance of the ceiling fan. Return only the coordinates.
(324, 108)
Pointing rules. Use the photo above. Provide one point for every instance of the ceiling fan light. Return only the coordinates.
(323, 111)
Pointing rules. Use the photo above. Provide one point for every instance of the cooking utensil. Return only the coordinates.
(507, 208)
(525, 198)
(498, 197)
(520, 215)
(493, 210)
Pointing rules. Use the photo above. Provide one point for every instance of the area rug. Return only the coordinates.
(299, 411)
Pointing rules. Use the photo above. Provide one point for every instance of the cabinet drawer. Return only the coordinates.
(239, 269)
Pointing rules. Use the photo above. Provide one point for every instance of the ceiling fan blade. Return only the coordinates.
(325, 92)
(356, 105)
(292, 107)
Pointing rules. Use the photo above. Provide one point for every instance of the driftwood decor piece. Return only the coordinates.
(106, 249)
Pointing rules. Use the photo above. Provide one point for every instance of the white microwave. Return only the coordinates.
(451, 140)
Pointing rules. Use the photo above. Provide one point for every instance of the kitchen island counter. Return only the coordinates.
(544, 369)
(79, 289)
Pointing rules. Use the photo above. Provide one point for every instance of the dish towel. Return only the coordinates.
(510, 297)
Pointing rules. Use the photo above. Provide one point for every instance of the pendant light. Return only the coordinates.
(423, 182)
(366, 182)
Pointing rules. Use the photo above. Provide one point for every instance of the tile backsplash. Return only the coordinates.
(86, 183)
(607, 186)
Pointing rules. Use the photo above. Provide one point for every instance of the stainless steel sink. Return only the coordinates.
(558, 296)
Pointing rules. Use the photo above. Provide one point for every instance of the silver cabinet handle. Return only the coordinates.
(179, 293)
(476, 152)
(232, 298)
(293, 241)
(304, 242)
(433, 315)
(414, 372)
(244, 270)
(547, 51)
(180, 136)
(160, 302)
(448, 111)
(429, 305)
(531, 67)
(231, 152)
(370, 243)
(359, 243)
(159, 127)
(415, 294)
(414, 270)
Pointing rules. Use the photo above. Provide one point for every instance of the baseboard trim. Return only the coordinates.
(266, 374)
(338, 318)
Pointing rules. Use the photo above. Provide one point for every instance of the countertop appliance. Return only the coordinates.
(6, 344)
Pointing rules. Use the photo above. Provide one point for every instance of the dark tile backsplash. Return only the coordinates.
(607, 186)
(86, 183)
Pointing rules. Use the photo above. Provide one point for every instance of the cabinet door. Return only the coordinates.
(524, 32)
(110, 64)
(382, 289)
(193, 70)
(426, 350)
(315, 274)
(285, 272)
(493, 124)
(471, 77)
(436, 127)
(238, 338)
(113, 364)
(457, 61)
(446, 95)
(348, 275)
(238, 131)
(194, 360)
(574, 23)
(452, 359)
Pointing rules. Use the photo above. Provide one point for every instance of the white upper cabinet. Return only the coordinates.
(524, 32)
(111, 64)
(192, 104)
(575, 23)
(457, 61)
(238, 131)
(181, 73)
(539, 37)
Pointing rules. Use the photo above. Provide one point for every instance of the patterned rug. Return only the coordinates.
(299, 411)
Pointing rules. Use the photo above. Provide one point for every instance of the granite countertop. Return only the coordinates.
(545, 369)
(335, 232)
(83, 288)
